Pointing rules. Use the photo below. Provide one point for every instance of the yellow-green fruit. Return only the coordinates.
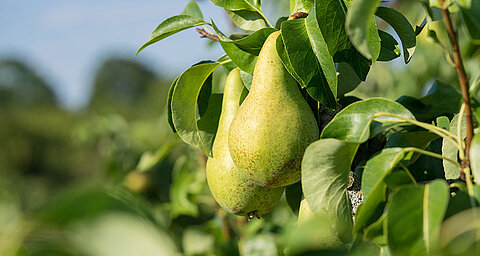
(274, 124)
(233, 192)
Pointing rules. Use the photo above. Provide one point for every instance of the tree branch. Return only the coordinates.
(462, 77)
(205, 34)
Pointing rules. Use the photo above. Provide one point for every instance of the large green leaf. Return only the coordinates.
(300, 6)
(475, 157)
(197, 132)
(310, 59)
(293, 195)
(246, 14)
(357, 61)
(250, 5)
(282, 53)
(247, 20)
(331, 15)
(244, 51)
(441, 99)
(460, 233)
(191, 17)
(414, 218)
(192, 9)
(347, 79)
(357, 122)
(378, 167)
(325, 167)
(374, 187)
(450, 150)
(361, 27)
(471, 18)
(389, 49)
(403, 28)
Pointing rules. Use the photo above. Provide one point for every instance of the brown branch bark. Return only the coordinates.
(462, 77)
(298, 15)
(205, 34)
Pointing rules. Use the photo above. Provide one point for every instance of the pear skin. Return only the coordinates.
(232, 191)
(273, 126)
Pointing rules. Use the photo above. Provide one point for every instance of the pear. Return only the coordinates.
(273, 126)
(233, 192)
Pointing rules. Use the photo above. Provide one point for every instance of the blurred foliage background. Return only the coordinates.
(112, 179)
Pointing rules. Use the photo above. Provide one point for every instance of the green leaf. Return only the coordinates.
(169, 105)
(310, 58)
(450, 150)
(403, 28)
(475, 157)
(246, 79)
(244, 51)
(172, 26)
(361, 27)
(300, 6)
(460, 233)
(282, 53)
(179, 191)
(360, 64)
(376, 170)
(192, 9)
(420, 139)
(279, 22)
(389, 49)
(246, 14)
(331, 15)
(414, 218)
(149, 159)
(364, 248)
(237, 4)
(247, 20)
(371, 209)
(375, 232)
(347, 79)
(293, 195)
(197, 132)
(378, 167)
(325, 167)
(471, 17)
(441, 99)
(357, 122)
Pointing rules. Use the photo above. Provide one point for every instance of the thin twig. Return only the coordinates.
(205, 34)
(462, 77)
(298, 15)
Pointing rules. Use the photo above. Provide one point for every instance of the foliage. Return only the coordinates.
(132, 179)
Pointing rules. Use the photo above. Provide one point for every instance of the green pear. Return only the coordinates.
(233, 192)
(273, 126)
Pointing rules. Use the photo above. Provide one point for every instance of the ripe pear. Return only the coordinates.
(233, 192)
(273, 126)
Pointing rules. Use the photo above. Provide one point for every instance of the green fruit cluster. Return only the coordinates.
(259, 144)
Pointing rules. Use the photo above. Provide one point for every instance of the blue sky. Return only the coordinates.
(66, 40)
